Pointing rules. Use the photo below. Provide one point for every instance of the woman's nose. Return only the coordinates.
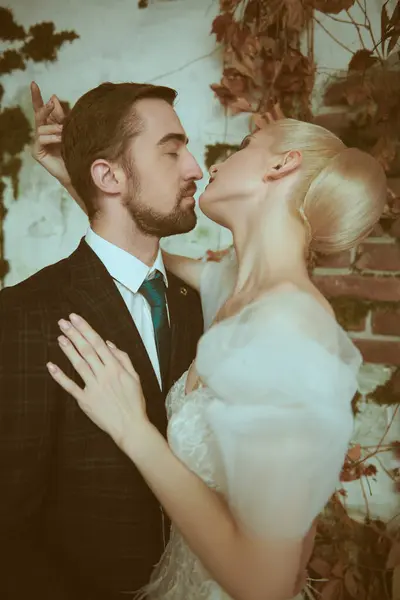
(213, 170)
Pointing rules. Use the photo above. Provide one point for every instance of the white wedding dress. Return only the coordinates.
(269, 426)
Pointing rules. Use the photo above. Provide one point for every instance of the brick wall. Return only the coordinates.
(363, 286)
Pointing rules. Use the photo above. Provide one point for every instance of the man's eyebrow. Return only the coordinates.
(176, 137)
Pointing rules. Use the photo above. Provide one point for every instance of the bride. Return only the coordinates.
(260, 423)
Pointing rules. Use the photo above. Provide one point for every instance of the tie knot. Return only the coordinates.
(153, 290)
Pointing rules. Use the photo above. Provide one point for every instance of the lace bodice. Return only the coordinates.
(275, 408)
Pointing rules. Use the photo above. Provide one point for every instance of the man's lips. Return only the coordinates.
(189, 192)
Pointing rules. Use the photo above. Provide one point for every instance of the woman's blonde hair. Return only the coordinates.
(342, 191)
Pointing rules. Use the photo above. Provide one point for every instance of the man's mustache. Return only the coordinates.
(188, 191)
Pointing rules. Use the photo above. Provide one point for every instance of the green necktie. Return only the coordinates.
(153, 290)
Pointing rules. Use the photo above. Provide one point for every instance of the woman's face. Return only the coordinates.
(239, 177)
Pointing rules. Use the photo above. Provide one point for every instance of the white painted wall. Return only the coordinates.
(167, 43)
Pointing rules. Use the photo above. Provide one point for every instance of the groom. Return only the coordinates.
(77, 521)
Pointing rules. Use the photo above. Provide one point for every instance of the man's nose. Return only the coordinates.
(193, 170)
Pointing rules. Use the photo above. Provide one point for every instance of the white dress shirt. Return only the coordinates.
(128, 273)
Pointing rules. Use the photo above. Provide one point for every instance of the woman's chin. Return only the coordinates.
(206, 209)
(203, 202)
(210, 207)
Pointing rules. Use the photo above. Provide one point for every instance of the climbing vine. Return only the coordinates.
(40, 43)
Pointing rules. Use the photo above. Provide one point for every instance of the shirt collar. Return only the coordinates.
(122, 266)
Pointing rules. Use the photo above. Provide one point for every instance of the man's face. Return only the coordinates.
(162, 173)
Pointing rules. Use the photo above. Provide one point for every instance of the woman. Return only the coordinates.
(260, 424)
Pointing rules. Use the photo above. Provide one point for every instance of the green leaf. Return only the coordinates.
(11, 60)
(9, 29)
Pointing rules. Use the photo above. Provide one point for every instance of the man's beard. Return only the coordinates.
(179, 220)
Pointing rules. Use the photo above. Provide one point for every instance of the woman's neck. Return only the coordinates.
(269, 253)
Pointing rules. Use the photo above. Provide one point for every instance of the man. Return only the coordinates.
(77, 521)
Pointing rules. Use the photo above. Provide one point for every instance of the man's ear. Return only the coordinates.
(107, 177)
(282, 167)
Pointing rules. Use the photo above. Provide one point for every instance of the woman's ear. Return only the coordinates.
(282, 167)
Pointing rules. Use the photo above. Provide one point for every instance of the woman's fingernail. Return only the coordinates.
(52, 368)
(64, 324)
(63, 340)
(74, 318)
(110, 344)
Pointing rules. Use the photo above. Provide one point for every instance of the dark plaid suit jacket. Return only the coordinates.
(77, 521)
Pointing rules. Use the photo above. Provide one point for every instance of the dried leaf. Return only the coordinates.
(351, 583)
(393, 559)
(251, 46)
(239, 105)
(393, 41)
(269, 44)
(270, 71)
(245, 66)
(234, 82)
(321, 567)
(293, 60)
(228, 5)
(252, 11)
(349, 474)
(296, 73)
(238, 37)
(369, 471)
(11, 60)
(220, 26)
(384, 151)
(9, 28)
(296, 15)
(354, 453)
(362, 60)
(332, 590)
(332, 6)
(338, 570)
(395, 18)
(222, 93)
(396, 584)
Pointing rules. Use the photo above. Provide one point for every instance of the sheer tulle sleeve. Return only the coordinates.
(281, 412)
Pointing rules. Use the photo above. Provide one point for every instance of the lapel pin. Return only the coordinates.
(183, 291)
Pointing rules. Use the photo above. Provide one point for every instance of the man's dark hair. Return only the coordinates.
(101, 125)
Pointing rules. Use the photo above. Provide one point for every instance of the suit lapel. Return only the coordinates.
(94, 295)
(178, 305)
(98, 300)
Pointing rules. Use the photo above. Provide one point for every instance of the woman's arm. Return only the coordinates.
(247, 568)
(46, 148)
(188, 269)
